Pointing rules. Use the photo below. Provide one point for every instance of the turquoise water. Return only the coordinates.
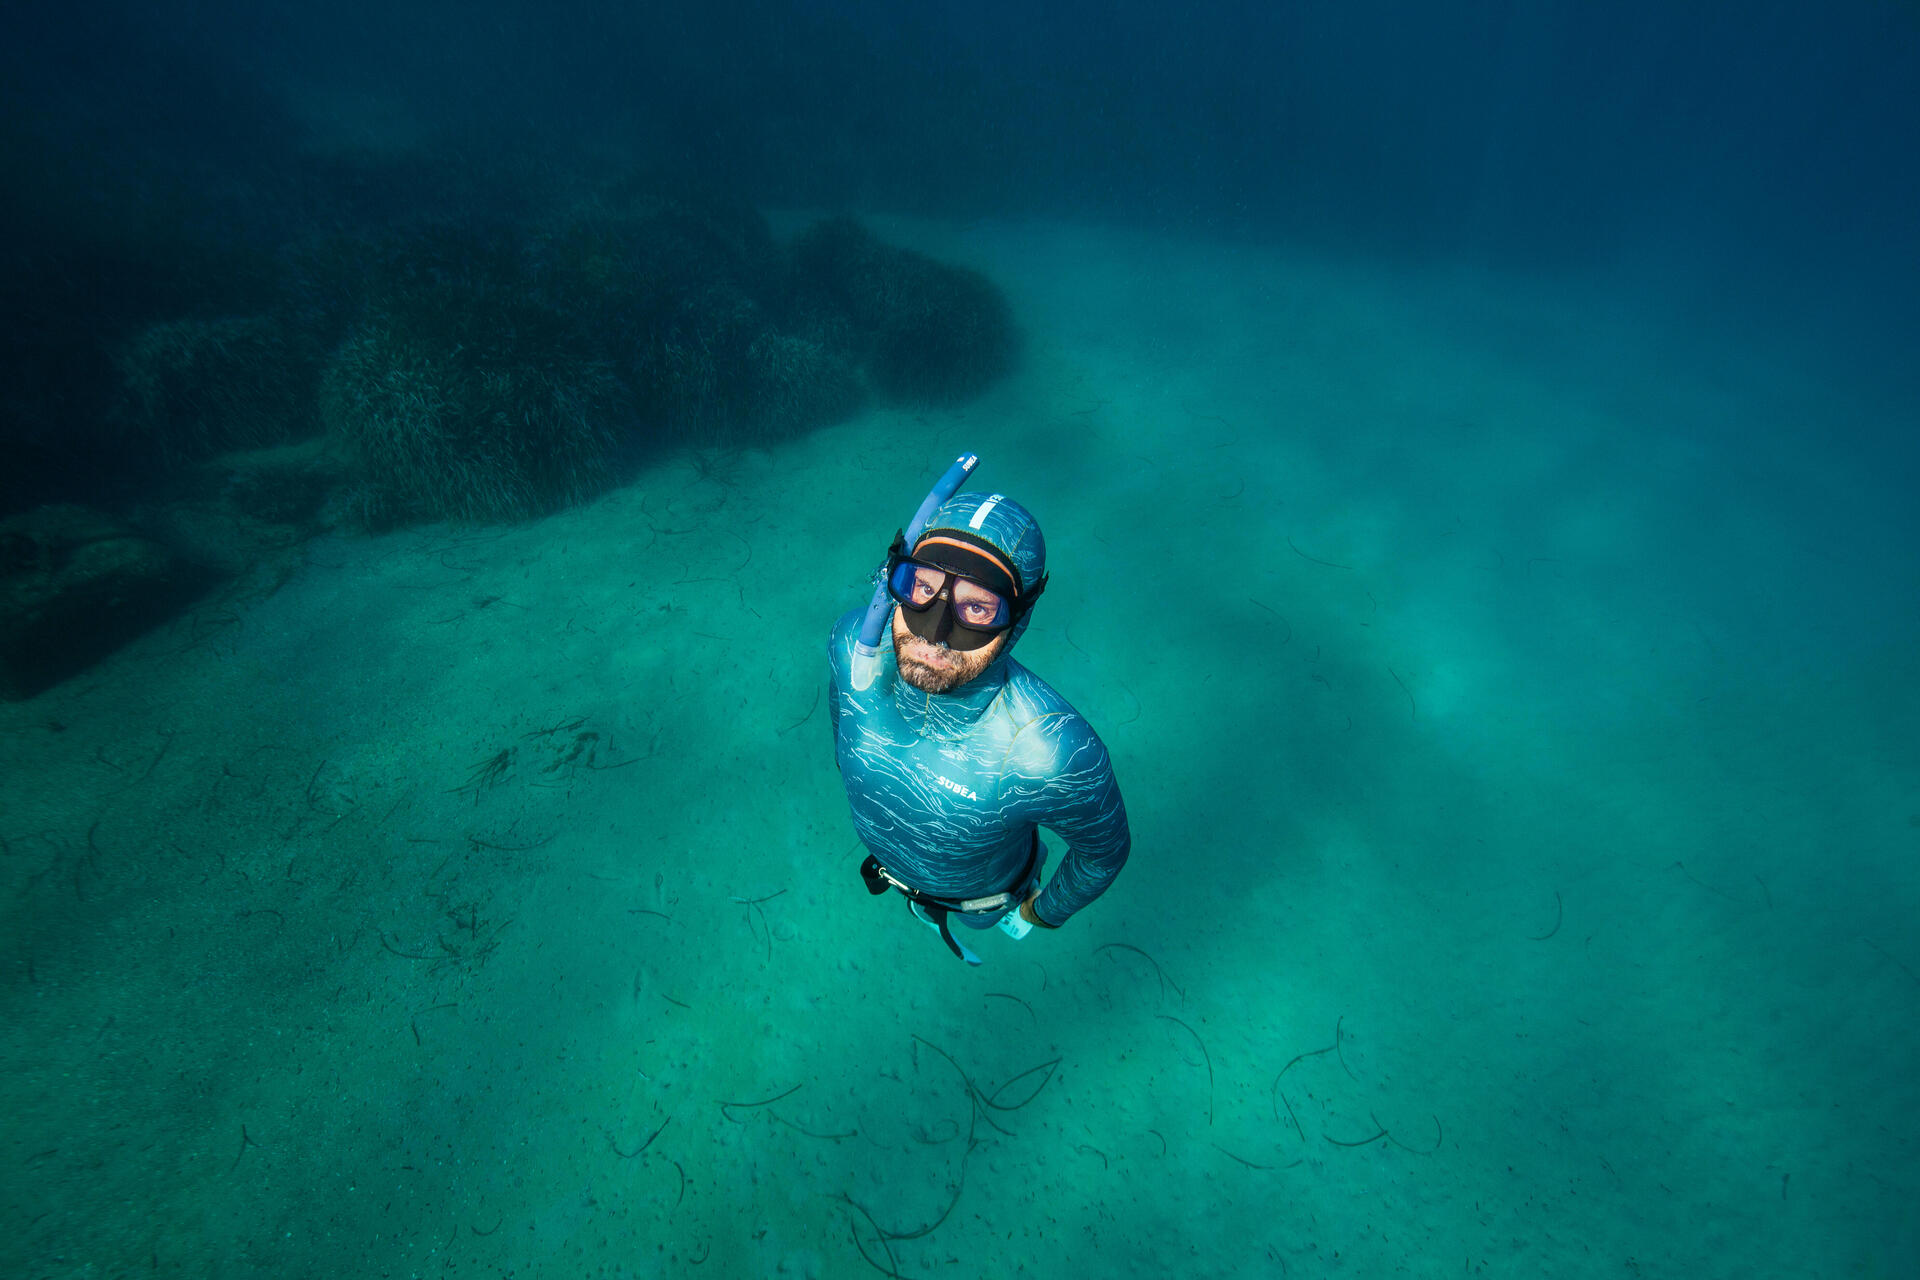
(1510, 745)
(1506, 647)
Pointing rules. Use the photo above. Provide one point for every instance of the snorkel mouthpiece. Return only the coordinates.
(866, 649)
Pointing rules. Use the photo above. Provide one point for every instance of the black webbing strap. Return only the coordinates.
(937, 909)
(938, 914)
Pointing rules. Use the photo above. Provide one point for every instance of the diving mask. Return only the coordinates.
(954, 590)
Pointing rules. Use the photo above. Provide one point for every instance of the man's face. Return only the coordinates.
(934, 668)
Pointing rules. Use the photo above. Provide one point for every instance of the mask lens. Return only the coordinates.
(915, 585)
(925, 586)
(977, 608)
(918, 586)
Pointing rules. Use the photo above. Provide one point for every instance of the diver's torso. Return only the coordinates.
(945, 789)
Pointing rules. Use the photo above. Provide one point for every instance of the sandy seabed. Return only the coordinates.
(1514, 700)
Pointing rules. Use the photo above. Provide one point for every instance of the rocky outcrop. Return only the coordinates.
(74, 586)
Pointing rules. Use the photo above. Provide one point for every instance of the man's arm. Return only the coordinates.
(1088, 813)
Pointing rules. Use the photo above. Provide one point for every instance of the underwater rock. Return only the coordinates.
(794, 385)
(192, 388)
(471, 408)
(75, 585)
(241, 510)
(926, 332)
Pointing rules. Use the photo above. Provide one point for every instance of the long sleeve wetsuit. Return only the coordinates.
(948, 789)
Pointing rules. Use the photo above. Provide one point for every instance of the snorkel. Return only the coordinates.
(866, 649)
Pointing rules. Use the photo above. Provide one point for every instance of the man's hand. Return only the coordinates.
(1031, 916)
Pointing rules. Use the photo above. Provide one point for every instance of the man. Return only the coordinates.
(955, 757)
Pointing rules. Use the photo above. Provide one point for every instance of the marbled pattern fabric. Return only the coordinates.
(947, 789)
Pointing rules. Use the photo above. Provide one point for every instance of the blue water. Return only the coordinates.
(1476, 449)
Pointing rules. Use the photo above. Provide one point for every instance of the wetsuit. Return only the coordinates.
(948, 789)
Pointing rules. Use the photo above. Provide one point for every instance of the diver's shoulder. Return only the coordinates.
(846, 629)
(1046, 735)
(1033, 700)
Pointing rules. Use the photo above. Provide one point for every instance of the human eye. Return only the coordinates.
(978, 607)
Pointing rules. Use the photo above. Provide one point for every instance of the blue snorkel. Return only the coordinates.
(866, 650)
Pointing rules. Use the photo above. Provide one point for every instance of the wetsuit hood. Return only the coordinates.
(1002, 525)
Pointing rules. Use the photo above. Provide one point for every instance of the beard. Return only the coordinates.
(934, 668)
